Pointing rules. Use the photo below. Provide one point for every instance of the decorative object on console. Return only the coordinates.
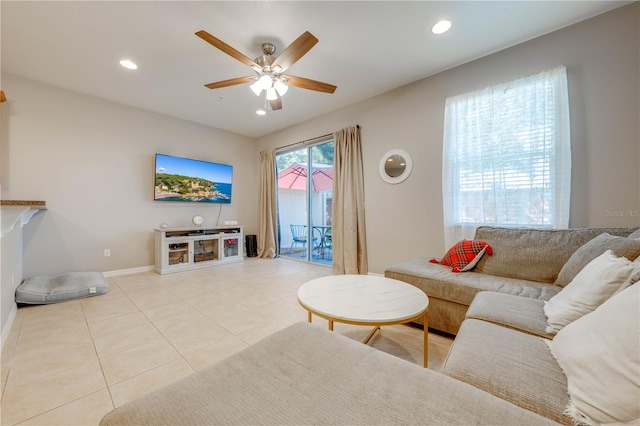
(163, 226)
(464, 255)
(187, 180)
(395, 166)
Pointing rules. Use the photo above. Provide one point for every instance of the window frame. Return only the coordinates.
(549, 97)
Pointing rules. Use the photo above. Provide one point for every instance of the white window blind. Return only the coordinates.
(507, 156)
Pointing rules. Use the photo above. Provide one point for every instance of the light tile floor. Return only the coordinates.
(71, 363)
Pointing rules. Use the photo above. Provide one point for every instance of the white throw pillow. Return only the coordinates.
(600, 355)
(595, 283)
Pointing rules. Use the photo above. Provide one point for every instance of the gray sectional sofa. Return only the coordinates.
(525, 262)
(499, 371)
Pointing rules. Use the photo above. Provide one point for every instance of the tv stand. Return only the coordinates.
(184, 249)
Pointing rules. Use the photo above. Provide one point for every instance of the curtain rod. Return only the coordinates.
(309, 140)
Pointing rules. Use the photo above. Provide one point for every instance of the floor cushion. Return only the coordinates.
(73, 285)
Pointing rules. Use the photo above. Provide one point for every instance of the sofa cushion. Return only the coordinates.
(594, 284)
(438, 281)
(534, 254)
(599, 355)
(627, 247)
(464, 255)
(514, 366)
(519, 313)
(305, 374)
(635, 235)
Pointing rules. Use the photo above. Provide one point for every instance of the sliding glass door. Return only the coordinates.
(304, 205)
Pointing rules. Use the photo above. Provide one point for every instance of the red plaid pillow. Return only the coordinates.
(464, 255)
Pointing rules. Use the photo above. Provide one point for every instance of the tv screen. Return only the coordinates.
(196, 181)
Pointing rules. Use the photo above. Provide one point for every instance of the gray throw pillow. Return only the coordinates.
(621, 246)
(635, 235)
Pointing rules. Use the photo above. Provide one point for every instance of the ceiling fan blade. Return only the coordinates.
(230, 82)
(295, 51)
(276, 104)
(306, 83)
(216, 42)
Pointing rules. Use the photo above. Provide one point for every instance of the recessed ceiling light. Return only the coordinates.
(441, 27)
(261, 112)
(128, 64)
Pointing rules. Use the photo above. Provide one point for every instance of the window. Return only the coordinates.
(507, 156)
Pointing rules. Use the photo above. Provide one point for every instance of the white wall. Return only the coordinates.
(92, 161)
(602, 57)
(10, 271)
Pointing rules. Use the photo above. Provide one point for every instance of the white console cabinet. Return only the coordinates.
(182, 249)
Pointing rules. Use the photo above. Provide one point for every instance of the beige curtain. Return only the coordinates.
(267, 222)
(348, 233)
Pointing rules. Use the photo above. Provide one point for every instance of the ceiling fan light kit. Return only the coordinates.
(269, 77)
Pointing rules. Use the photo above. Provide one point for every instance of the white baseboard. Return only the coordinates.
(128, 271)
(7, 327)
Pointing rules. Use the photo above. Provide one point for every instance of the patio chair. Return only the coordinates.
(328, 242)
(300, 236)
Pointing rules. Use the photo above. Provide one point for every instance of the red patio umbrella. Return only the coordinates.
(295, 177)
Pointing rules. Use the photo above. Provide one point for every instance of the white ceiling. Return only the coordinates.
(365, 48)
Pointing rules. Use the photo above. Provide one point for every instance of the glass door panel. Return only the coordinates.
(230, 247)
(320, 201)
(304, 205)
(178, 252)
(292, 203)
(205, 250)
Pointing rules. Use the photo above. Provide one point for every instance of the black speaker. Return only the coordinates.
(252, 245)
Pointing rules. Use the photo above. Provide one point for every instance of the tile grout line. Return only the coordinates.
(145, 371)
(93, 343)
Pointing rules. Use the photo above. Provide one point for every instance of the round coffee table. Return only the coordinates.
(365, 300)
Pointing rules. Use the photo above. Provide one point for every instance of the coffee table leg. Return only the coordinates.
(426, 339)
(330, 325)
(370, 335)
(309, 316)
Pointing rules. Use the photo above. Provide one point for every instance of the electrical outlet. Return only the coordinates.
(107, 252)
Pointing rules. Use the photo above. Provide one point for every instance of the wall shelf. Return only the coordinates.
(18, 213)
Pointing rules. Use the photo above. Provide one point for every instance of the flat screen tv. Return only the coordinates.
(186, 180)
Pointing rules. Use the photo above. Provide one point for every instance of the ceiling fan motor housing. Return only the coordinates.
(266, 59)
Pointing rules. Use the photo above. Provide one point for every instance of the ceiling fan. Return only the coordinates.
(269, 70)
